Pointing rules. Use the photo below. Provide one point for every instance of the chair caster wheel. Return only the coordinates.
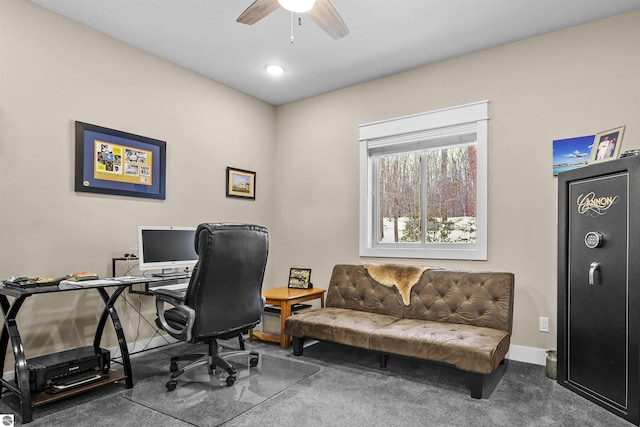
(253, 361)
(171, 385)
(173, 367)
(230, 380)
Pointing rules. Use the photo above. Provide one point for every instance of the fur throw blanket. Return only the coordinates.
(402, 277)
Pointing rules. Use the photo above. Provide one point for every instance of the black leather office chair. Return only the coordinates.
(224, 297)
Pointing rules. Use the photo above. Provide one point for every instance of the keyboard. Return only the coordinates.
(182, 286)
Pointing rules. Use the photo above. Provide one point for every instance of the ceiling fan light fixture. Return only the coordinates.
(297, 6)
(274, 69)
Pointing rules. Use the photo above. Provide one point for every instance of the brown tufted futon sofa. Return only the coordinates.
(458, 318)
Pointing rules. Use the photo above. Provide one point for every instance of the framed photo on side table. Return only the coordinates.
(606, 145)
(241, 183)
(300, 278)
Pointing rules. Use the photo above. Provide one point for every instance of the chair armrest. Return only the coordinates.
(177, 295)
(177, 302)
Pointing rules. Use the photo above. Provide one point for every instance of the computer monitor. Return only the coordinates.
(166, 248)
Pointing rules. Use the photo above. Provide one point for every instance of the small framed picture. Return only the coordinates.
(241, 183)
(571, 153)
(606, 145)
(300, 278)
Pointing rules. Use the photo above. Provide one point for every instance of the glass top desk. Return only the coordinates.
(10, 332)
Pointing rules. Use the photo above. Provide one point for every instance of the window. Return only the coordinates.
(423, 185)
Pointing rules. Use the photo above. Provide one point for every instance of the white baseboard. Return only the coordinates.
(535, 356)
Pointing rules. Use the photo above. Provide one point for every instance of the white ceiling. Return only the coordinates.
(386, 36)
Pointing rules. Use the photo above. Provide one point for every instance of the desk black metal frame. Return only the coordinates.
(10, 331)
(145, 287)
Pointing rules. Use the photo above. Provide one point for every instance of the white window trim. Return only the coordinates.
(410, 128)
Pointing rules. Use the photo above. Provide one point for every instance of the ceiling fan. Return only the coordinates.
(321, 11)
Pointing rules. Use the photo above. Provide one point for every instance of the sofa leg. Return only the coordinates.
(297, 344)
(384, 358)
(476, 384)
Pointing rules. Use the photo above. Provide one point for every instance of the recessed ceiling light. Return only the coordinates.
(274, 69)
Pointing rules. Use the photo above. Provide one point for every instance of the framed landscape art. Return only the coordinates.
(241, 183)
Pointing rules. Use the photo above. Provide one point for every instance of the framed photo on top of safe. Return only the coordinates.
(241, 183)
(110, 161)
(606, 145)
(300, 278)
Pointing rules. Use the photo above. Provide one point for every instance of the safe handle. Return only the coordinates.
(595, 266)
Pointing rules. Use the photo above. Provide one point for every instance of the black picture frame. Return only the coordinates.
(110, 161)
(300, 278)
(241, 183)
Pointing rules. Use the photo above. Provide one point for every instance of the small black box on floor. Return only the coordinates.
(67, 368)
(271, 317)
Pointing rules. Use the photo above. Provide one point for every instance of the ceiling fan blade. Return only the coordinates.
(258, 10)
(328, 19)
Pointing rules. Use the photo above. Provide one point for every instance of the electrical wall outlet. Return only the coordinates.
(544, 324)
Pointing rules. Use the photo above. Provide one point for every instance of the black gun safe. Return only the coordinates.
(599, 284)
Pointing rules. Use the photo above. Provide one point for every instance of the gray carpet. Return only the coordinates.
(412, 393)
(348, 390)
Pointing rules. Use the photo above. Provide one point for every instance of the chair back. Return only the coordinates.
(225, 289)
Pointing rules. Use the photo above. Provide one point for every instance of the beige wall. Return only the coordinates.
(52, 72)
(575, 82)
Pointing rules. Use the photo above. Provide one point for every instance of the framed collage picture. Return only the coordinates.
(109, 161)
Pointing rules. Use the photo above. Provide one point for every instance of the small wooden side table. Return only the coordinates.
(285, 298)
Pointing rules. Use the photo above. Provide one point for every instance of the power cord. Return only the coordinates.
(132, 350)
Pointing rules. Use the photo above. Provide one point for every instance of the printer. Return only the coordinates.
(67, 369)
